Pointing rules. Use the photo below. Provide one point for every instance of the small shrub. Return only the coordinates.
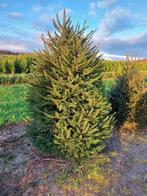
(126, 94)
(141, 111)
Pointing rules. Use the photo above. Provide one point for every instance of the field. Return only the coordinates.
(12, 104)
(73, 98)
(119, 170)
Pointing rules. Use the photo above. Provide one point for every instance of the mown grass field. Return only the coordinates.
(13, 107)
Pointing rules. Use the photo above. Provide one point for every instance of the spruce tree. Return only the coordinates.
(126, 94)
(70, 115)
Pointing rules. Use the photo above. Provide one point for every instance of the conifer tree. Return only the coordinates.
(70, 115)
(125, 96)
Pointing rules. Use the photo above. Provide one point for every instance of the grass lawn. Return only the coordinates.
(12, 104)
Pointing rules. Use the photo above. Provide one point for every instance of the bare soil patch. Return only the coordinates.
(24, 171)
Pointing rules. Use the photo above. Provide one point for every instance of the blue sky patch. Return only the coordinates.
(121, 25)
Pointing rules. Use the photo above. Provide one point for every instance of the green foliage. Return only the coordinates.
(126, 94)
(118, 66)
(69, 112)
(7, 79)
(8, 67)
(113, 66)
(109, 85)
(17, 66)
(141, 111)
(13, 107)
(21, 63)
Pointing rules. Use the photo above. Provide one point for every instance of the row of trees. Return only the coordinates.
(71, 117)
(117, 66)
(22, 63)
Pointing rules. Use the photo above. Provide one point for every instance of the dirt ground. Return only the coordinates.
(23, 171)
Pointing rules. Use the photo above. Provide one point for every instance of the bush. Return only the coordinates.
(141, 111)
(126, 94)
(70, 115)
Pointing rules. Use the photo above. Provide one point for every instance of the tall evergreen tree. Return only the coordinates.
(69, 112)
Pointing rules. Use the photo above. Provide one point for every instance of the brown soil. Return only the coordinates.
(23, 171)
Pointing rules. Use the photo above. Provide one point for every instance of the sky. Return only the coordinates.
(121, 25)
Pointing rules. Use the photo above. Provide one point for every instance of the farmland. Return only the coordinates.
(73, 98)
(13, 85)
(127, 151)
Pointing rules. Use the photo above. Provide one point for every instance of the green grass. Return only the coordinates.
(13, 106)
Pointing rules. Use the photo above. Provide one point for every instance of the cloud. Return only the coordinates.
(20, 44)
(37, 8)
(95, 5)
(15, 15)
(44, 22)
(105, 3)
(49, 17)
(16, 39)
(111, 42)
(13, 47)
(12, 43)
(46, 8)
(117, 20)
(92, 8)
(3, 5)
(42, 26)
(132, 46)
(108, 56)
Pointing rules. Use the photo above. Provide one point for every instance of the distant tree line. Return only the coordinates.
(118, 66)
(22, 63)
